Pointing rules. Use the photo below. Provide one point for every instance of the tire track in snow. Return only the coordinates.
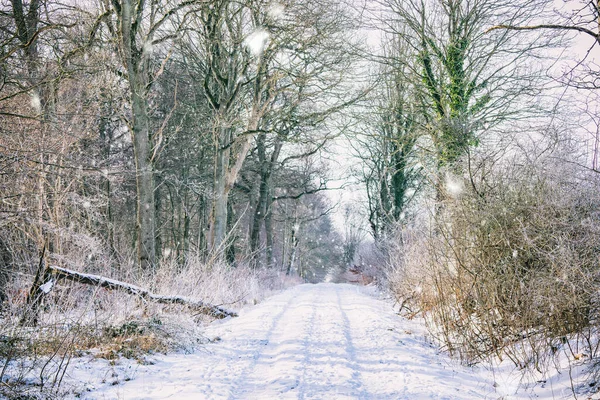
(330, 367)
(307, 356)
(241, 379)
(351, 350)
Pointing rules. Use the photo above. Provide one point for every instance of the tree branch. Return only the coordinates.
(589, 32)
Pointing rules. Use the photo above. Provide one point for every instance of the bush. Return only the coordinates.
(511, 269)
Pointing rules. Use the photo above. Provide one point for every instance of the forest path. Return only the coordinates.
(324, 341)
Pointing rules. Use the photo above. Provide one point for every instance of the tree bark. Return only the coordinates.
(269, 232)
(230, 251)
(262, 214)
(261, 207)
(136, 63)
(293, 247)
(221, 191)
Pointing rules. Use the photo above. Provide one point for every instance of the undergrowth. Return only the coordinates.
(510, 267)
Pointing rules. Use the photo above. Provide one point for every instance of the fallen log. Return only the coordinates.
(113, 284)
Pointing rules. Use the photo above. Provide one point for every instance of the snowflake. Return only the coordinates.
(36, 103)
(453, 186)
(257, 41)
(276, 10)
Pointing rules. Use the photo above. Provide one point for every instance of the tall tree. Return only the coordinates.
(224, 48)
(389, 168)
(137, 28)
(470, 81)
(260, 66)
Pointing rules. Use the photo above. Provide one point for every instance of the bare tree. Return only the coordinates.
(263, 70)
(470, 81)
(578, 18)
(138, 28)
(40, 133)
(389, 169)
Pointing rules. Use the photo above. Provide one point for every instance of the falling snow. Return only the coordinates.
(276, 10)
(36, 103)
(148, 48)
(454, 186)
(257, 41)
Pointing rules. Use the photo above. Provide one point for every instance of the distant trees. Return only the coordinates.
(171, 128)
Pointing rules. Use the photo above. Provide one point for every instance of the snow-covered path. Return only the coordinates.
(325, 341)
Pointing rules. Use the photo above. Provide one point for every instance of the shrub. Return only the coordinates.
(510, 269)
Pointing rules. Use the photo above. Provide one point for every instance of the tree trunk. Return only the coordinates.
(268, 218)
(105, 134)
(113, 284)
(185, 237)
(136, 62)
(269, 233)
(159, 225)
(262, 214)
(226, 174)
(221, 192)
(6, 261)
(399, 180)
(144, 167)
(261, 206)
(230, 252)
(293, 246)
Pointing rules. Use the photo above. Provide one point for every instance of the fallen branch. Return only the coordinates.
(113, 284)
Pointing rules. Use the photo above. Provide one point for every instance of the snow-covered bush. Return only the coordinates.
(511, 266)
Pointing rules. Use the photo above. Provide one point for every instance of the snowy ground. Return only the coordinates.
(325, 341)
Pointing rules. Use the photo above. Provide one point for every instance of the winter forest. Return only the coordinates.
(165, 163)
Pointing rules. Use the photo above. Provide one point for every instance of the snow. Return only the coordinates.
(324, 341)
(454, 186)
(36, 103)
(47, 287)
(148, 47)
(257, 41)
(276, 10)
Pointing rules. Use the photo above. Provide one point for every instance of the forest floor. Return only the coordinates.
(324, 341)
